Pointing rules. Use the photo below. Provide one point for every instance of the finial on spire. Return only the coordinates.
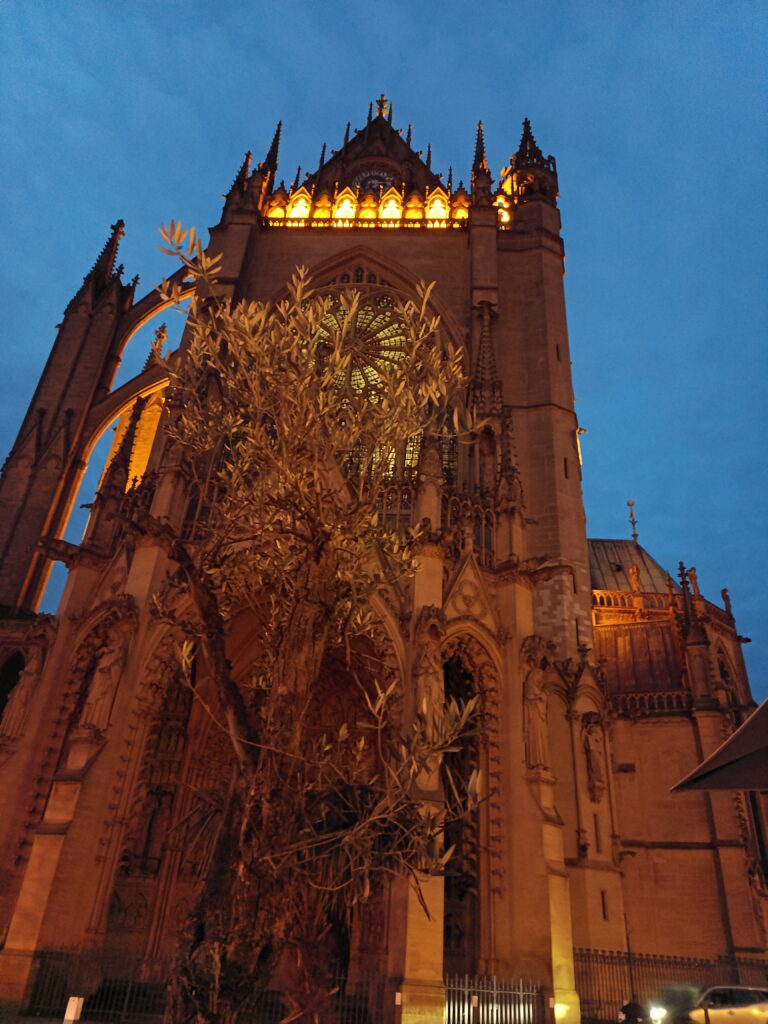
(270, 160)
(346, 134)
(408, 134)
(480, 163)
(449, 183)
(370, 112)
(382, 106)
(389, 114)
(429, 157)
(297, 178)
(632, 519)
(322, 157)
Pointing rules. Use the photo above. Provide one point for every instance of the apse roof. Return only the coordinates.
(610, 560)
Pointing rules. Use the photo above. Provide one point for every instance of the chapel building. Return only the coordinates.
(601, 680)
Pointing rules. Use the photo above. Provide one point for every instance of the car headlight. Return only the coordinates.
(657, 1014)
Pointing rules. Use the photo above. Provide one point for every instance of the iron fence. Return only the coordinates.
(479, 1000)
(605, 980)
(122, 990)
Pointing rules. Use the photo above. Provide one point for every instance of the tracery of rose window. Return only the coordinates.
(377, 342)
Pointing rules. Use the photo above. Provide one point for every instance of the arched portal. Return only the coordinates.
(461, 916)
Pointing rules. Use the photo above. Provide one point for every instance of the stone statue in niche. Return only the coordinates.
(535, 703)
(428, 662)
(110, 661)
(15, 713)
(594, 754)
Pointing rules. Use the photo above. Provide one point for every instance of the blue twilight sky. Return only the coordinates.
(655, 112)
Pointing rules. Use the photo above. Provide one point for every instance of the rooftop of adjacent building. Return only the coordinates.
(610, 562)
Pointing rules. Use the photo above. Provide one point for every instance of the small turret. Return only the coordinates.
(534, 176)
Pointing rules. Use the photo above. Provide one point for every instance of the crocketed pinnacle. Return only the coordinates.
(104, 267)
(119, 467)
(241, 178)
(528, 153)
(270, 160)
(693, 630)
(480, 163)
(486, 357)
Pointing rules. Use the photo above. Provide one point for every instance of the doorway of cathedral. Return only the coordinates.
(461, 925)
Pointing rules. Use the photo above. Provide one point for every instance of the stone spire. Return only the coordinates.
(120, 466)
(103, 270)
(481, 173)
(486, 386)
(241, 178)
(103, 525)
(270, 160)
(480, 163)
(528, 153)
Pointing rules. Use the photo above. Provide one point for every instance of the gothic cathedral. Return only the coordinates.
(602, 680)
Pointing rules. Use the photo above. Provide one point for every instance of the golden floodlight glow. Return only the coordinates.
(345, 209)
(369, 209)
(300, 206)
(437, 209)
(391, 207)
(502, 205)
(323, 207)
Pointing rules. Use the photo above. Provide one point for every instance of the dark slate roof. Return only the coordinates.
(609, 562)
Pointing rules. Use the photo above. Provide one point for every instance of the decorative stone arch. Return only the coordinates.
(146, 309)
(586, 694)
(391, 274)
(482, 663)
(117, 403)
(89, 638)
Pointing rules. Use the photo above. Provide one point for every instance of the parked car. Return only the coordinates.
(715, 1004)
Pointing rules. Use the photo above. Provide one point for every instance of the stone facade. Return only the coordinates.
(601, 681)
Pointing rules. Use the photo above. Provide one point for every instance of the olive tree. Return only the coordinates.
(290, 422)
